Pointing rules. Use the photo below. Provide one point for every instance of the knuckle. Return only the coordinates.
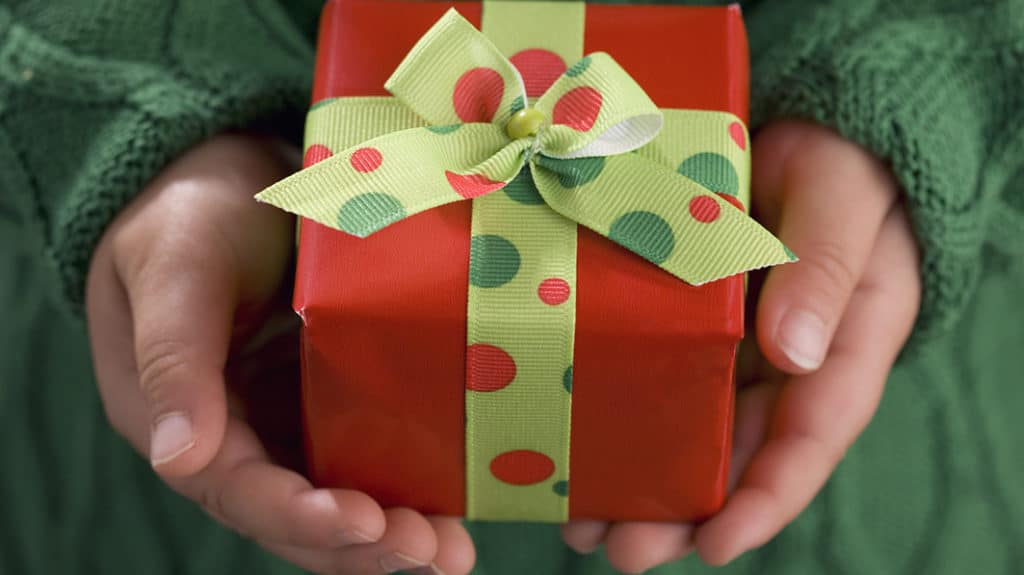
(211, 501)
(160, 360)
(829, 453)
(828, 260)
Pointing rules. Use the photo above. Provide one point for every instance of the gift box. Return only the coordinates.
(405, 396)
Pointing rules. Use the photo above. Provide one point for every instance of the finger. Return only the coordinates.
(819, 415)
(409, 543)
(584, 536)
(635, 547)
(183, 298)
(455, 552)
(831, 198)
(244, 490)
(754, 406)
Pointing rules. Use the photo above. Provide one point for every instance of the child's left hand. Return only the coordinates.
(830, 328)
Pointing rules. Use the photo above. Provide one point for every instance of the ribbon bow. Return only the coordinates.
(576, 140)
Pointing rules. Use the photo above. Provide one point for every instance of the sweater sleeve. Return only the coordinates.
(95, 98)
(935, 87)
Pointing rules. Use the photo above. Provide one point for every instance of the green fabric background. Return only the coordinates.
(97, 95)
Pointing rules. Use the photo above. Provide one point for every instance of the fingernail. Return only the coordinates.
(353, 537)
(396, 562)
(321, 500)
(802, 338)
(172, 436)
(428, 570)
(324, 502)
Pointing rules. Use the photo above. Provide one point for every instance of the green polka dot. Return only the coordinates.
(567, 379)
(444, 129)
(713, 171)
(575, 172)
(522, 188)
(645, 234)
(578, 68)
(367, 213)
(561, 488)
(493, 261)
(517, 104)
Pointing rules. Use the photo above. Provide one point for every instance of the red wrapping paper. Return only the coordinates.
(384, 337)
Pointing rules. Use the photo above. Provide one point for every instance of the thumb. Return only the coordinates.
(826, 198)
(183, 304)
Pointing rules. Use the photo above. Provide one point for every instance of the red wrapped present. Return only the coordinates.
(396, 391)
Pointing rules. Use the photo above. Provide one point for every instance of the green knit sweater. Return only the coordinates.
(97, 95)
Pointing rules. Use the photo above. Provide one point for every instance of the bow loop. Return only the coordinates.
(455, 74)
(370, 186)
(596, 109)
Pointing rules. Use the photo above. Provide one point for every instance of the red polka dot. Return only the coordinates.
(316, 153)
(539, 69)
(734, 201)
(490, 367)
(704, 209)
(472, 185)
(553, 291)
(478, 94)
(366, 159)
(522, 467)
(738, 136)
(578, 108)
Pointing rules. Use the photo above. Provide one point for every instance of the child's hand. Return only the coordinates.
(833, 323)
(182, 277)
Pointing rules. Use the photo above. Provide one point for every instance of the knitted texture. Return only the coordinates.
(934, 87)
(96, 96)
(937, 89)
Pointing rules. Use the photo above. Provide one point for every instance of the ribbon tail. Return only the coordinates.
(367, 187)
(668, 219)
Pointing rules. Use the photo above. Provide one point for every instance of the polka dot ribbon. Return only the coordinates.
(576, 153)
(457, 81)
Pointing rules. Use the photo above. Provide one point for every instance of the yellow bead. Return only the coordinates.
(524, 123)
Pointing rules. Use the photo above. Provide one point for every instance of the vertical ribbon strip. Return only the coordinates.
(522, 304)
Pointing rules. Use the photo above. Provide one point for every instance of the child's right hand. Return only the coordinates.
(182, 277)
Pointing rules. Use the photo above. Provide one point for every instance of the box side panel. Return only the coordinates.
(385, 335)
(653, 373)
